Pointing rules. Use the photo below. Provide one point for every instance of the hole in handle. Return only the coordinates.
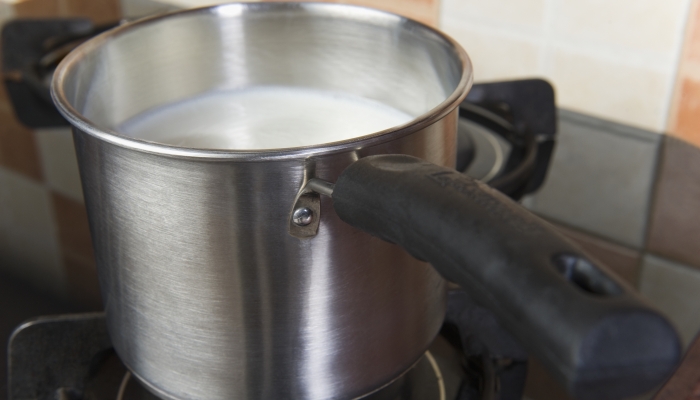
(585, 275)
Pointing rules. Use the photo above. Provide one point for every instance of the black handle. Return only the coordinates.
(593, 332)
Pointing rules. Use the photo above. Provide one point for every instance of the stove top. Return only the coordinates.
(70, 357)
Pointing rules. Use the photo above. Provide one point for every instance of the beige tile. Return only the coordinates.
(507, 14)
(59, 162)
(142, 8)
(647, 25)
(7, 12)
(29, 246)
(425, 11)
(496, 56)
(674, 230)
(675, 290)
(622, 93)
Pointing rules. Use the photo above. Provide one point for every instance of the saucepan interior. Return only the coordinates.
(156, 62)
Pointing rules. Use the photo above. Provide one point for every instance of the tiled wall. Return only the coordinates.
(632, 199)
(601, 179)
(629, 69)
(613, 59)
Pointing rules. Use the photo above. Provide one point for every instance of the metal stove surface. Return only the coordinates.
(86, 367)
(437, 375)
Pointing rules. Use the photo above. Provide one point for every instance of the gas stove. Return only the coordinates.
(70, 357)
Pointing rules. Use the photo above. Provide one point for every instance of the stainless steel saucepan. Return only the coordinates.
(317, 272)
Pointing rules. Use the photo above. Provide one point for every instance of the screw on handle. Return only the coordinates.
(302, 216)
(591, 330)
(305, 217)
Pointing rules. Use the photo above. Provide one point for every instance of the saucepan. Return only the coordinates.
(299, 263)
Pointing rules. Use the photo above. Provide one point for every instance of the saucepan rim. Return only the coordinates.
(83, 124)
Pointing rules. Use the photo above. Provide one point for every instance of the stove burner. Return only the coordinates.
(488, 151)
(422, 381)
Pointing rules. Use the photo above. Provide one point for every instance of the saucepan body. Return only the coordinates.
(207, 294)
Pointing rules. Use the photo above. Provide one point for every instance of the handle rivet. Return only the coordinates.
(302, 216)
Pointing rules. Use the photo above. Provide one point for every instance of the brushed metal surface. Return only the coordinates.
(207, 295)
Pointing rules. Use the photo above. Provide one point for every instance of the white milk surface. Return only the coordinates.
(263, 118)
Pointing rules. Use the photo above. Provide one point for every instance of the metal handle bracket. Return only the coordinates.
(305, 216)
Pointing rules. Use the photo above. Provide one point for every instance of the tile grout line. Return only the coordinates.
(659, 159)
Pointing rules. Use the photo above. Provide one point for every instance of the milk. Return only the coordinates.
(263, 118)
